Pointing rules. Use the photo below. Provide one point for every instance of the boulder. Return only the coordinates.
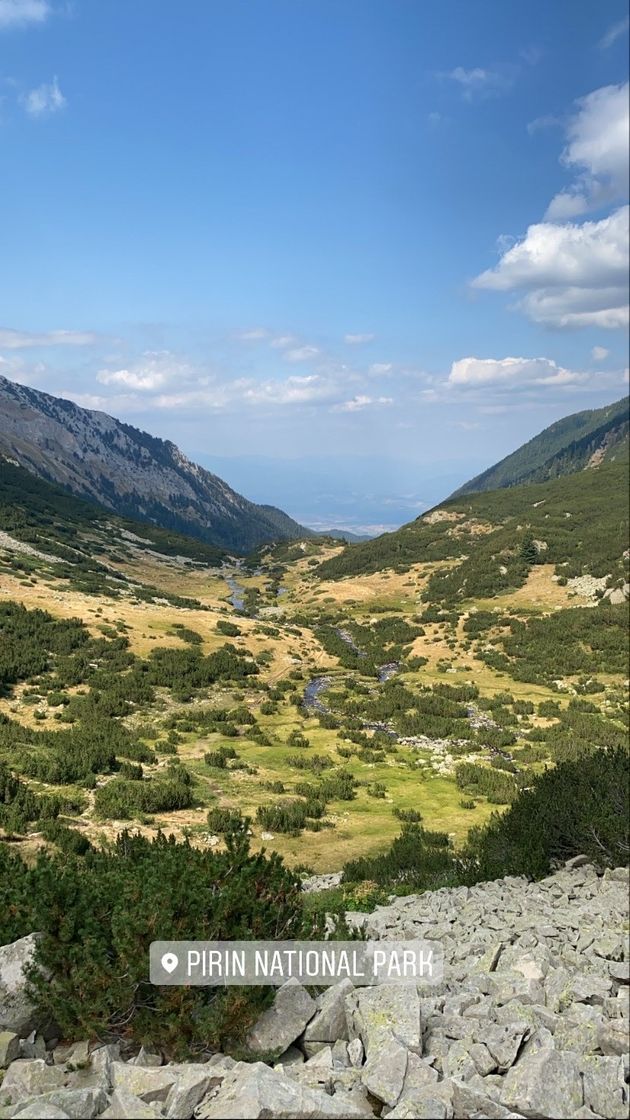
(254, 1091)
(375, 1013)
(149, 1083)
(544, 1083)
(604, 1086)
(192, 1084)
(78, 1104)
(28, 1078)
(383, 1075)
(329, 1022)
(284, 1021)
(126, 1106)
(17, 1010)
(38, 1111)
(9, 1048)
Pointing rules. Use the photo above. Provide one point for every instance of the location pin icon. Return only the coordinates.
(169, 962)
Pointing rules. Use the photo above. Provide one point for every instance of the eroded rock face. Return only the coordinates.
(531, 1020)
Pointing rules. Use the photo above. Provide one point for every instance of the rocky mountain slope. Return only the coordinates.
(130, 472)
(530, 1020)
(572, 444)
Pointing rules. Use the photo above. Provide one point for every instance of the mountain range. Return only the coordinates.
(130, 472)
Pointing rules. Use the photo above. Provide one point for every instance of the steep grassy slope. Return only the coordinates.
(580, 523)
(130, 472)
(569, 445)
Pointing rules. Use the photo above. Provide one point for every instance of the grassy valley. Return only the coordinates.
(327, 693)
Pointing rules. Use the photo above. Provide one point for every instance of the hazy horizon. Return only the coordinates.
(402, 238)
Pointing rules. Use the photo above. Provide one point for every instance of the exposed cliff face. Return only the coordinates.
(130, 472)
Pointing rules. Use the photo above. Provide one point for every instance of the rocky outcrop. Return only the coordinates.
(531, 1020)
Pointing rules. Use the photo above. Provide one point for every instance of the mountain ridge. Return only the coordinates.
(131, 472)
(571, 444)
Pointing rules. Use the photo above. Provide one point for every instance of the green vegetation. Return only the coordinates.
(563, 448)
(99, 913)
(578, 807)
(581, 520)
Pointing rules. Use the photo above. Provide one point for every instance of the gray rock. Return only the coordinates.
(620, 971)
(191, 1086)
(77, 1055)
(9, 1048)
(78, 1104)
(17, 1010)
(147, 1058)
(148, 1083)
(329, 1022)
(425, 1107)
(469, 1101)
(418, 1075)
(612, 1037)
(31, 1078)
(504, 1042)
(254, 1092)
(458, 1062)
(604, 1086)
(126, 1106)
(384, 1072)
(33, 1046)
(291, 1057)
(434, 1102)
(576, 861)
(374, 1013)
(580, 1036)
(38, 1111)
(340, 1059)
(356, 1053)
(545, 1083)
(284, 1021)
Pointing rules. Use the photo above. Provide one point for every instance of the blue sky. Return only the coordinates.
(347, 251)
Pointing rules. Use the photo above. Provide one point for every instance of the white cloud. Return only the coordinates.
(614, 32)
(357, 339)
(476, 81)
(154, 370)
(23, 340)
(381, 369)
(360, 402)
(302, 354)
(19, 13)
(254, 335)
(510, 373)
(574, 275)
(282, 341)
(540, 123)
(44, 100)
(597, 149)
(598, 353)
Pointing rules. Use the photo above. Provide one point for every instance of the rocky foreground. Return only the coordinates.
(531, 1020)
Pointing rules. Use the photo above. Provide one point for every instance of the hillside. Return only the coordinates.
(130, 472)
(572, 444)
(580, 522)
